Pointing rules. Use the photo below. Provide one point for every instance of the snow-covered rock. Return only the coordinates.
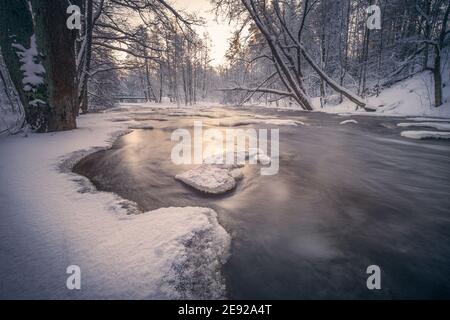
(263, 158)
(349, 121)
(237, 174)
(217, 175)
(208, 178)
(425, 134)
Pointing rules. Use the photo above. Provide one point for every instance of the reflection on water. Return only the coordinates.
(344, 198)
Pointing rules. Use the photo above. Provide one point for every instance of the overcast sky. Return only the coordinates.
(219, 32)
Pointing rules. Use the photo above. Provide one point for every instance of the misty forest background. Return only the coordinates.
(282, 52)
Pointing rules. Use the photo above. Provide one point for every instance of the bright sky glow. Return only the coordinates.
(219, 31)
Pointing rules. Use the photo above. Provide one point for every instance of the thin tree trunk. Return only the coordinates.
(437, 59)
(87, 59)
(437, 77)
(57, 47)
(160, 84)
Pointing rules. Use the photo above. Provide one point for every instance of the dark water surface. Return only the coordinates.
(345, 197)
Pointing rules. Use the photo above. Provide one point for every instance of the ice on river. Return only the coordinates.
(434, 125)
(275, 122)
(349, 121)
(426, 134)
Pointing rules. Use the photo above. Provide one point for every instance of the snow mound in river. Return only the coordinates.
(263, 158)
(208, 178)
(218, 174)
(425, 135)
(348, 121)
(190, 253)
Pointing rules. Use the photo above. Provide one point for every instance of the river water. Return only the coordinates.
(345, 197)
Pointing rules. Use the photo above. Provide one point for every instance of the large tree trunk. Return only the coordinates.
(48, 95)
(57, 47)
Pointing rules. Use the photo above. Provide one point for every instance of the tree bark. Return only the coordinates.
(437, 59)
(57, 47)
(53, 100)
(437, 77)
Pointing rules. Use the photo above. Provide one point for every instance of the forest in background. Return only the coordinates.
(313, 48)
(282, 52)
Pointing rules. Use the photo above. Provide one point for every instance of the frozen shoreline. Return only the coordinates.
(53, 218)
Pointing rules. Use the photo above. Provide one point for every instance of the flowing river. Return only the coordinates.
(345, 197)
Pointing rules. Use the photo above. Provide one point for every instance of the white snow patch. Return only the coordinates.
(33, 70)
(51, 219)
(263, 159)
(276, 122)
(425, 135)
(434, 125)
(411, 97)
(220, 172)
(348, 121)
(36, 102)
(237, 174)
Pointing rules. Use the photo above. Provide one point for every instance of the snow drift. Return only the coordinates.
(425, 135)
(53, 218)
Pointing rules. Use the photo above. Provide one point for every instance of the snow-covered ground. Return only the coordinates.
(411, 97)
(52, 218)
